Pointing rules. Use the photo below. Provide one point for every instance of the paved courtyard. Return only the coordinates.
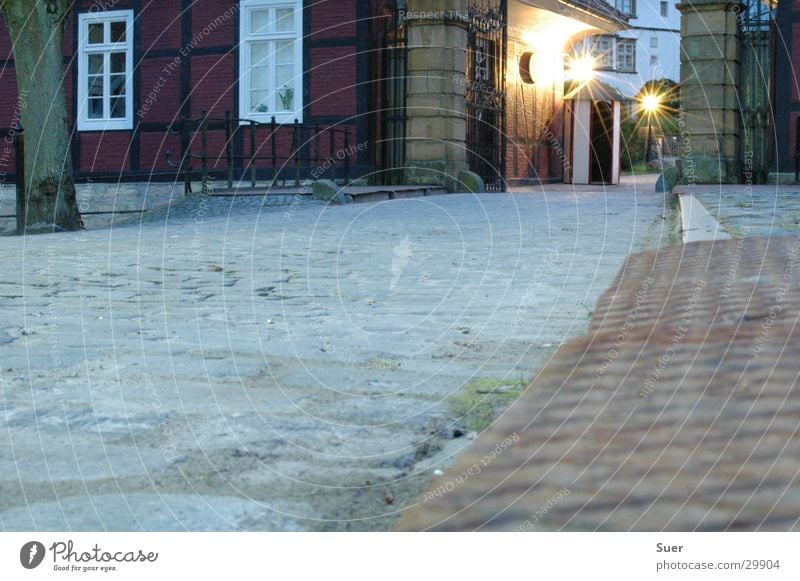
(235, 365)
(753, 211)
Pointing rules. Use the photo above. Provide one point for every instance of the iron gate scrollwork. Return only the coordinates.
(756, 19)
(486, 98)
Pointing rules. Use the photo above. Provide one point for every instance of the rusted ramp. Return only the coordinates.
(679, 411)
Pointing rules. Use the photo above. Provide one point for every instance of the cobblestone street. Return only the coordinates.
(289, 366)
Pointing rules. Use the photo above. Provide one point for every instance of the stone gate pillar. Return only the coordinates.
(710, 62)
(436, 91)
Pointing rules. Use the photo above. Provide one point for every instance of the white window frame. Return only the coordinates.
(623, 55)
(84, 50)
(602, 50)
(246, 37)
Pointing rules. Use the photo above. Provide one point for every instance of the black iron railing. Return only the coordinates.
(312, 151)
(669, 145)
(393, 112)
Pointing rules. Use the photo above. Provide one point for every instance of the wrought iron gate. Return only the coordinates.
(393, 111)
(757, 19)
(486, 98)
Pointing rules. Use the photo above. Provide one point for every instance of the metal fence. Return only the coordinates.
(276, 151)
(394, 114)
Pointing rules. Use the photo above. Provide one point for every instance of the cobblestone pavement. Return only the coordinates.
(678, 411)
(754, 211)
(292, 367)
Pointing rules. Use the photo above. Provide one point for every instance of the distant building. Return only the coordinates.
(648, 50)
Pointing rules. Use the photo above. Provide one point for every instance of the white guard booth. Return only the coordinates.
(592, 116)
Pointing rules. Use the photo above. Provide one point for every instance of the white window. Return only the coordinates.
(271, 60)
(626, 56)
(653, 60)
(105, 70)
(665, 9)
(626, 6)
(602, 50)
(653, 42)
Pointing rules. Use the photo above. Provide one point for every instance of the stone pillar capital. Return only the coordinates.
(735, 6)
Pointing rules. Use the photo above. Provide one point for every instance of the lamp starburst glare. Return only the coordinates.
(582, 69)
(651, 103)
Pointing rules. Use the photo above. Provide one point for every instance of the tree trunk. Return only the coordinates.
(37, 33)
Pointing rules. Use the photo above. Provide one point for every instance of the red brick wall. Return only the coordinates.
(105, 152)
(160, 24)
(212, 26)
(333, 80)
(531, 115)
(787, 95)
(164, 105)
(333, 19)
(8, 97)
(213, 84)
(154, 146)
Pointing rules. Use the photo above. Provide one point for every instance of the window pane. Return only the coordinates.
(284, 20)
(95, 64)
(258, 101)
(118, 108)
(259, 21)
(118, 31)
(259, 78)
(284, 53)
(259, 53)
(96, 108)
(96, 33)
(118, 62)
(117, 85)
(602, 51)
(96, 86)
(284, 75)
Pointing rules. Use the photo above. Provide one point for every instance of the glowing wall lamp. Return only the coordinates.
(526, 68)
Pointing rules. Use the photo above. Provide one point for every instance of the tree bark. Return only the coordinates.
(37, 33)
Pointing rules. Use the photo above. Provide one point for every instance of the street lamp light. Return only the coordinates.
(650, 104)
